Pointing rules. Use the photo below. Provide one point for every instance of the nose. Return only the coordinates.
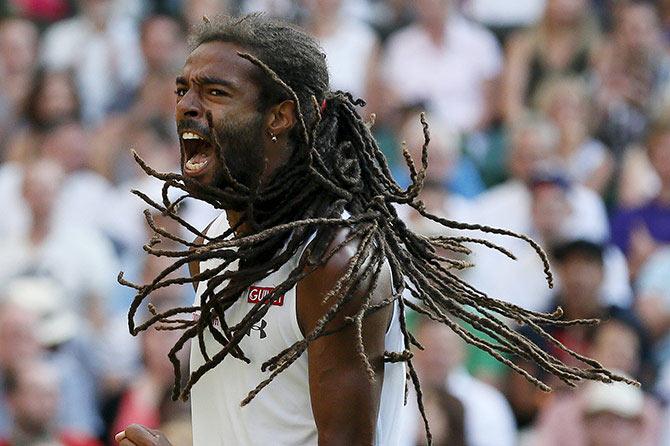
(189, 106)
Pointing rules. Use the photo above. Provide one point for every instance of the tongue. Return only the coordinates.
(198, 158)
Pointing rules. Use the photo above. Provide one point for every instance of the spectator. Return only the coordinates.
(78, 256)
(640, 231)
(487, 416)
(67, 346)
(574, 417)
(103, 50)
(653, 307)
(446, 62)
(579, 213)
(563, 43)
(580, 267)
(53, 99)
(351, 46)
(447, 166)
(567, 102)
(601, 415)
(18, 343)
(18, 52)
(32, 392)
(633, 72)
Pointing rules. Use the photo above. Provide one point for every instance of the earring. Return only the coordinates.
(273, 137)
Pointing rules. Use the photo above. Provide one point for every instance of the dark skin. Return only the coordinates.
(345, 402)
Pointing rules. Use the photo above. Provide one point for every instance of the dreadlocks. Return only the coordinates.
(335, 166)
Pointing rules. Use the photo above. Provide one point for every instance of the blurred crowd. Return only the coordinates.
(547, 117)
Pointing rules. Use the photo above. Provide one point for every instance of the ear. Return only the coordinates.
(281, 118)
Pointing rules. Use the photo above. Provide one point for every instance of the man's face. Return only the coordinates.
(217, 80)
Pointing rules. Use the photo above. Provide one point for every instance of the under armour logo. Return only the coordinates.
(260, 328)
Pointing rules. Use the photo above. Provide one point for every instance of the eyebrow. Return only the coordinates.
(208, 80)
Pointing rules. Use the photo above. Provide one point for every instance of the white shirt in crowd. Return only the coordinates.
(450, 79)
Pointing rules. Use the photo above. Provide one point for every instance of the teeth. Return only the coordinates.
(190, 135)
(195, 165)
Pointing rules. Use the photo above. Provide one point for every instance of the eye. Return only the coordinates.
(217, 92)
(180, 91)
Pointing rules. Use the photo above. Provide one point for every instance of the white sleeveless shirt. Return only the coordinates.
(281, 414)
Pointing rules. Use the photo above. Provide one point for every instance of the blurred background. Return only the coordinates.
(548, 117)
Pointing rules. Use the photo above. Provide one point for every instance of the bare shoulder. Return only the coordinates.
(312, 289)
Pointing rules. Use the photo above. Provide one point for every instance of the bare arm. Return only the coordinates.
(345, 402)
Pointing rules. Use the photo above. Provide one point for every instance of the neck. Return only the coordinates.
(39, 230)
(234, 219)
(435, 30)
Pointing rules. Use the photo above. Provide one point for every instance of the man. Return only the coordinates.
(312, 258)
(33, 397)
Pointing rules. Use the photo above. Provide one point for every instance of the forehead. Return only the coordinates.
(220, 59)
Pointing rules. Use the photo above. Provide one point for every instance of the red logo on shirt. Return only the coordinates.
(257, 293)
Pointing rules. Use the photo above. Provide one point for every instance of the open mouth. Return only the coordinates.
(199, 153)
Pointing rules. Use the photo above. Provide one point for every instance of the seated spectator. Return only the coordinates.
(67, 345)
(562, 44)
(446, 62)
(567, 102)
(640, 231)
(550, 213)
(653, 307)
(575, 417)
(103, 50)
(614, 415)
(18, 343)
(53, 99)
(580, 268)
(351, 46)
(633, 72)
(487, 416)
(446, 165)
(18, 53)
(79, 257)
(33, 397)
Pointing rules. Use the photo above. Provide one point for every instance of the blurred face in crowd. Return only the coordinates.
(324, 8)
(549, 208)
(531, 151)
(639, 28)
(194, 10)
(34, 402)
(568, 107)
(617, 347)
(565, 12)
(162, 44)
(443, 352)
(609, 429)
(581, 277)
(659, 155)
(442, 150)
(433, 12)
(57, 98)
(18, 45)
(18, 341)
(97, 11)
